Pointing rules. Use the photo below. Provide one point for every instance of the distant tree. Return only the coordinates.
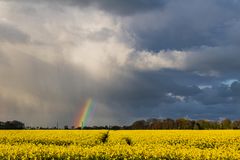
(151, 123)
(156, 124)
(14, 125)
(183, 123)
(214, 125)
(126, 127)
(66, 127)
(168, 124)
(196, 126)
(2, 125)
(115, 127)
(203, 124)
(207, 124)
(141, 124)
(236, 124)
(226, 124)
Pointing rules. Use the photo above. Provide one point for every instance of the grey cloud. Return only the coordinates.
(213, 96)
(4, 60)
(222, 94)
(102, 35)
(198, 111)
(223, 59)
(186, 24)
(235, 88)
(122, 8)
(149, 90)
(31, 85)
(125, 7)
(12, 34)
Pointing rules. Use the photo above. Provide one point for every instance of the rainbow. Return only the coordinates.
(85, 114)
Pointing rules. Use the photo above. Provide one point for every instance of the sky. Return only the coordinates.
(136, 59)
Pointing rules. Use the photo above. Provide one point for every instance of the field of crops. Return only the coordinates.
(139, 144)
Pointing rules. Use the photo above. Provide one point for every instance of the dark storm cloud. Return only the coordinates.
(151, 86)
(220, 58)
(198, 111)
(187, 24)
(235, 87)
(117, 7)
(147, 91)
(221, 94)
(123, 7)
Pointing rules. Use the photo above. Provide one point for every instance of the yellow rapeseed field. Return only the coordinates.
(137, 144)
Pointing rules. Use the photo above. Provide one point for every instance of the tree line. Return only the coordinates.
(153, 123)
(184, 123)
(180, 123)
(12, 125)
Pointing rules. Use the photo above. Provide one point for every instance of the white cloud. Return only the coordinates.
(155, 61)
